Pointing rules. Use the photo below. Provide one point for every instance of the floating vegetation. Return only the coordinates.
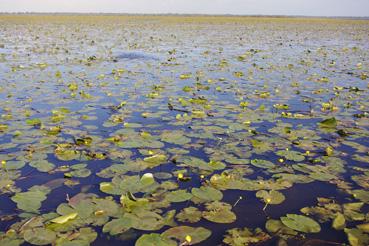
(163, 130)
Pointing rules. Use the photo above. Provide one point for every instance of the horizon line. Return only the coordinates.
(180, 14)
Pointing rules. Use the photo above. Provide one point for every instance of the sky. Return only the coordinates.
(239, 7)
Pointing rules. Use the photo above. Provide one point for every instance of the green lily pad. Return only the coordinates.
(364, 227)
(271, 197)
(131, 203)
(195, 234)
(217, 165)
(29, 201)
(356, 237)
(154, 239)
(175, 137)
(156, 159)
(291, 155)
(328, 123)
(151, 221)
(362, 195)
(65, 218)
(178, 196)
(33, 122)
(14, 165)
(262, 163)
(195, 162)
(339, 222)
(245, 236)
(10, 241)
(219, 212)
(121, 185)
(352, 211)
(118, 226)
(3, 128)
(85, 236)
(301, 223)
(207, 193)
(65, 152)
(39, 236)
(190, 214)
(276, 226)
(78, 173)
(42, 165)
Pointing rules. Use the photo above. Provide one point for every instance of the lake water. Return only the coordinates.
(172, 130)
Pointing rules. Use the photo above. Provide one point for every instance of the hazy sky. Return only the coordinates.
(267, 7)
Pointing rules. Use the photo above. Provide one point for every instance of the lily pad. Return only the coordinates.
(328, 123)
(39, 236)
(156, 159)
(154, 239)
(276, 226)
(175, 137)
(262, 163)
(183, 233)
(217, 165)
(118, 226)
(65, 152)
(271, 197)
(29, 201)
(178, 196)
(207, 193)
(364, 227)
(65, 218)
(42, 166)
(301, 223)
(219, 212)
(362, 195)
(14, 165)
(339, 222)
(356, 237)
(291, 155)
(190, 214)
(245, 236)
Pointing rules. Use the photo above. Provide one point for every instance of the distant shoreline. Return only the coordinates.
(180, 15)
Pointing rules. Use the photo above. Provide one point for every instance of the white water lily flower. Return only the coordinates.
(148, 175)
(147, 179)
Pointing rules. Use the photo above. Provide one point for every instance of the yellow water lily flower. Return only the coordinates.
(188, 238)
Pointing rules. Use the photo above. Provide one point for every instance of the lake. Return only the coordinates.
(183, 130)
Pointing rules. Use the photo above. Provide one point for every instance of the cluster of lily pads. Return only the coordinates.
(173, 148)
